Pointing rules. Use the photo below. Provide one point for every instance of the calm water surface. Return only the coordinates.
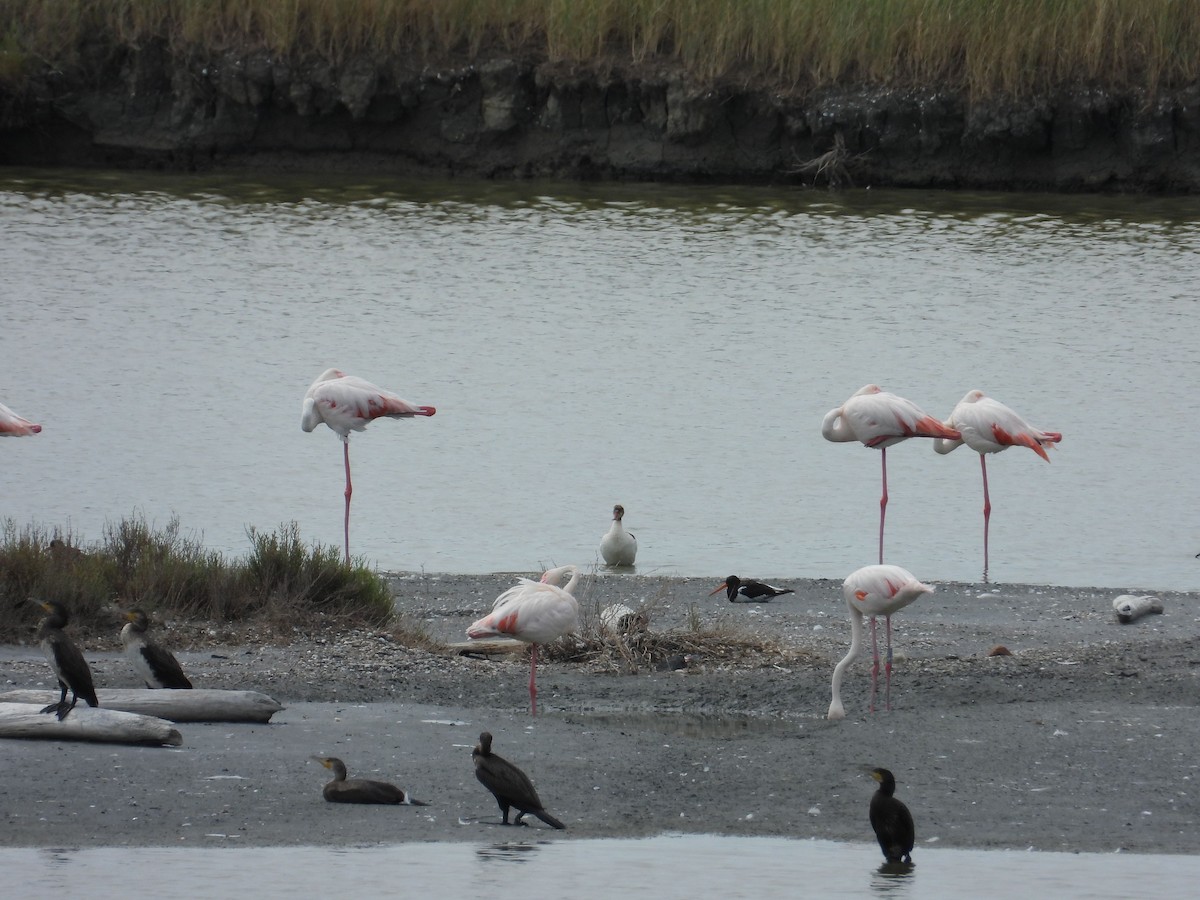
(671, 866)
(670, 349)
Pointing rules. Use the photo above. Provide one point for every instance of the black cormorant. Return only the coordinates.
(156, 665)
(68, 663)
(510, 786)
(359, 790)
(892, 821)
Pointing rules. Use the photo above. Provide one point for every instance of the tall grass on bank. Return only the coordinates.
(983, 46)
(280, 581)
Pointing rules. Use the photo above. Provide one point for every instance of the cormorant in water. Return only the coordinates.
(892, 821)
(359, 790)
(68, 663)
(157, 666)
(510, 786)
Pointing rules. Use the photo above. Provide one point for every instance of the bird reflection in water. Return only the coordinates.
(515, 852)
(892, 877)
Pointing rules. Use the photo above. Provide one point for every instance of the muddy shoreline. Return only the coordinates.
(509, 117)
(1083, 739)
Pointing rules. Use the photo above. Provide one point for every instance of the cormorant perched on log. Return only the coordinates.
(157, 666)
(892, 821)
(68, 663)
(749, 590)
(359, 790)
(510, 786)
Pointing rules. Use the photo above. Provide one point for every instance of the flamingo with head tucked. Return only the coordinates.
(12, 425)
(878, 419)
(536, 612)
(348, 403)
(988, 426)
(873, 591)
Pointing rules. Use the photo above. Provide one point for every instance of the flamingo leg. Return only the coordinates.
(888, 667)
(533, 679)
(875, 665)
(987, 514)
(882, 505)
(349, 491)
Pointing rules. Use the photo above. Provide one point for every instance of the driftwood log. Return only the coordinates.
(487, 647)
(1129, 607)
(83, 723)
(198, 705)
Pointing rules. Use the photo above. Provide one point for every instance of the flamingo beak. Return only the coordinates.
(722, 587)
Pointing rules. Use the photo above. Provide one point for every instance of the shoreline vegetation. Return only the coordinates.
(285, 590)
(280, 581)
(982, 49)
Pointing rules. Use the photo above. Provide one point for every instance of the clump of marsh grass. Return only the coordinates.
(286, 575)
(281, 582)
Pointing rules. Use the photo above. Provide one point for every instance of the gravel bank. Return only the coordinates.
(1083, 739)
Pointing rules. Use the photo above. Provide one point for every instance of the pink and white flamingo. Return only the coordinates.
(873, 591)
(988, 426)
(348, 403)
(12, 425)
(879, 419)
(536, 612)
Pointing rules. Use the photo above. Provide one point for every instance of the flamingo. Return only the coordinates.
(348, 403)
(12, 425)
(879, 419)
(988, 426)
(748, 590)
(873, 591)
(618, 546)
(536, 612)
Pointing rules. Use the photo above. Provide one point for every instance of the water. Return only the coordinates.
(670, 349)
(665, 867)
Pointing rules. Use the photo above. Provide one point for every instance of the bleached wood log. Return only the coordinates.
(198, 705)
(487, 647)
(1129, 607)
(83, 723)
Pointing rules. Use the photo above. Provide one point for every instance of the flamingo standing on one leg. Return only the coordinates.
(873, 591)
(988, 426)
(348, 403)
(12, 425)
(879, 419)
(536, 612)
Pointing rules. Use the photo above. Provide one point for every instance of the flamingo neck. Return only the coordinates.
(570, 585)
(946, 445)
(836, 710)
(834, 427)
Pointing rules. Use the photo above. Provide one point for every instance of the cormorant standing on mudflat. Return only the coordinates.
(510, 786)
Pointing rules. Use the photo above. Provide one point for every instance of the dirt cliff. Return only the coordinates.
(506, 117)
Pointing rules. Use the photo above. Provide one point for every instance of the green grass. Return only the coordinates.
(981, 46)
(281, 582)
